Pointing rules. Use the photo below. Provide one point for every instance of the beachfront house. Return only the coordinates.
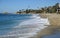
(58, 9)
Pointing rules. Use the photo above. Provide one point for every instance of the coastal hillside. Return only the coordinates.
(48, 9)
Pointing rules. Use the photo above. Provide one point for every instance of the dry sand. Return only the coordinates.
(54, 27)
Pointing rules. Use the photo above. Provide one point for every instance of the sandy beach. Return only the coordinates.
(54, 27)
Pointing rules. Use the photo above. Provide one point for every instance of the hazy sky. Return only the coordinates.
(15, 5)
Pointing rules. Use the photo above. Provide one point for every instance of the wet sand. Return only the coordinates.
(54, 27)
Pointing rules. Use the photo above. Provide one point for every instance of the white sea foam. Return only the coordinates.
(33, 26)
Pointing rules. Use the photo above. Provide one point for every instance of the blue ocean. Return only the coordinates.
(19, 25)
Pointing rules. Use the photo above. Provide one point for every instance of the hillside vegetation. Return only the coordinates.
(49, 9)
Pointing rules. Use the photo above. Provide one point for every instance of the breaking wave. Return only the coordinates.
(27, 28)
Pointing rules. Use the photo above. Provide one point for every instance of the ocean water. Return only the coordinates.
(21, 25)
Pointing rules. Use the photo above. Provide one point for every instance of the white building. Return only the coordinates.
(58, 10)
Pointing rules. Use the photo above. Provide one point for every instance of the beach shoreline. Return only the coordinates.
(54, 26)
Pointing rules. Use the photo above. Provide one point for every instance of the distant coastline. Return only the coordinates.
(50, 9)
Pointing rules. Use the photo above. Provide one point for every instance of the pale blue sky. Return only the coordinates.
(12, 6)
